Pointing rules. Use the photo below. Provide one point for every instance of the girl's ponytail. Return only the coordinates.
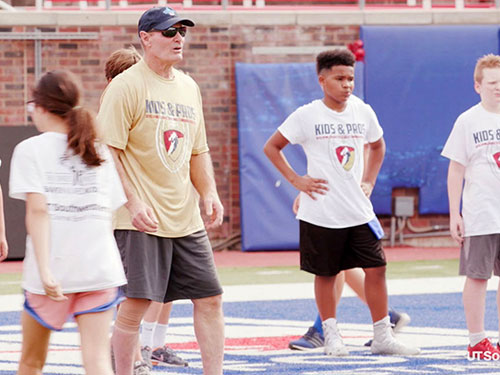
(82, 135)
(59, 93)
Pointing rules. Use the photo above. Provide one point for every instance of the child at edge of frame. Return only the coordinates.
(473, 148)
(72, 265)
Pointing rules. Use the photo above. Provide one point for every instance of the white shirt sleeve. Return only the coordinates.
(455, 148)
(25, 176)
(374, 131)
(291, 128)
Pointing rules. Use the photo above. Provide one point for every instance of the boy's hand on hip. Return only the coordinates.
(310, 185)
(367, 188)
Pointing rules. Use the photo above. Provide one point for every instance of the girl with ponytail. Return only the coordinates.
(72, 265)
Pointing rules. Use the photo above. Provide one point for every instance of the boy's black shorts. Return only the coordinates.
(327, 251)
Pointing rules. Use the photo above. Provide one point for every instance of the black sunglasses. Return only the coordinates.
(172, 31)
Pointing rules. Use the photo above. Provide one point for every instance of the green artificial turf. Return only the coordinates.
(395, 270)
(10, 283)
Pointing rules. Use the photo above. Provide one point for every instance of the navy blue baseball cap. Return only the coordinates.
(161, 18)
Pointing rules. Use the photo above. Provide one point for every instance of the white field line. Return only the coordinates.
(275, 292)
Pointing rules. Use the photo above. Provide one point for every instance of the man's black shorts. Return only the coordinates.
(167, 269)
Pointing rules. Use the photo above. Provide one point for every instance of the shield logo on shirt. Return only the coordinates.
(496, 157)
(172, 138)
(345, 156)
(171, 143)
(492, 153)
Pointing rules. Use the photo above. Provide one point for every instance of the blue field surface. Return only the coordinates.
(258, 332)
(432, 310)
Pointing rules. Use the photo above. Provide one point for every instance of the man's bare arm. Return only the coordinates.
(202, 177)
(143, 217)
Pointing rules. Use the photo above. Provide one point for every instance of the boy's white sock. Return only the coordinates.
(159, 335)
(331, 321)
(476, 338)
(147, 330)
(381, 329)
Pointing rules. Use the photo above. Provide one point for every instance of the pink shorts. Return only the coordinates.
(53, 314)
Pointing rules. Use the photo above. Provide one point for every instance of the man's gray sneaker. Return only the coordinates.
(167, 356)
(141, 368)
(146, 356)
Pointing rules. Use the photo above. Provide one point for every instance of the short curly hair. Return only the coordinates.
(334, 57)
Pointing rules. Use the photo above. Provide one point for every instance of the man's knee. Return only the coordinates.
(130, 315)
(213, 303)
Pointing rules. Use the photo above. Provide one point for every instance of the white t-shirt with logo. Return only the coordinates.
(474, 142)
(83, 252)
(333, 143)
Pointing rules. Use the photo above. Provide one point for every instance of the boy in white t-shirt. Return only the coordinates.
(473, 148)
(4, 249)
(338, 228)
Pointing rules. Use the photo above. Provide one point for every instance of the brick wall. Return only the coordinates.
(210, 55)
(219, 41)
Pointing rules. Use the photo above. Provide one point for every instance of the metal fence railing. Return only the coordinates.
(248, 4)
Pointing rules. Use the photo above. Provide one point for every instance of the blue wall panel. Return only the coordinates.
(418, 80)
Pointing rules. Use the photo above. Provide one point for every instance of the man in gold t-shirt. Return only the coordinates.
(151, 117)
